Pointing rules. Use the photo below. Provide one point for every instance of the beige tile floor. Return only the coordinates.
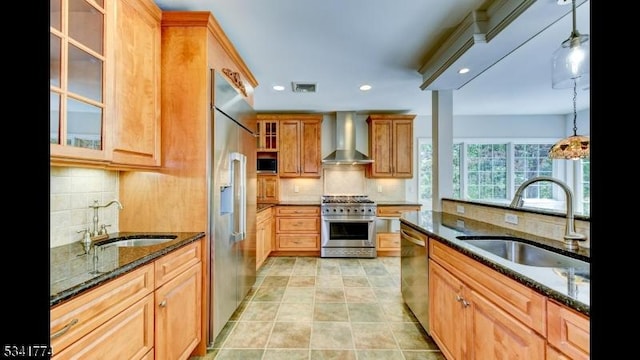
(324, 308)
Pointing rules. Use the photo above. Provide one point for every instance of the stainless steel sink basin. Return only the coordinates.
(139, 242)
(524, 253)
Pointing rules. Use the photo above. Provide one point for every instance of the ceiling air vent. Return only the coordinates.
(303, 87)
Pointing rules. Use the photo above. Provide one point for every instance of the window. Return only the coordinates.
(425, 181)
(492, 172)
(486, 171)
(586, 187)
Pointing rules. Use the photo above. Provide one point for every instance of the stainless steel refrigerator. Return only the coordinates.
(232, 201)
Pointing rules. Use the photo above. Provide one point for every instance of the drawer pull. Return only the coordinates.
(64, 329)
(163, 303)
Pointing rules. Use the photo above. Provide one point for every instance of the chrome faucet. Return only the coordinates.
(571, 237)
(95, 207)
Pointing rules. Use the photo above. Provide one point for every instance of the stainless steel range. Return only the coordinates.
(348, 226)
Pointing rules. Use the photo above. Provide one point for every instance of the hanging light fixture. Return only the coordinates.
(573, 147)
(571, 60)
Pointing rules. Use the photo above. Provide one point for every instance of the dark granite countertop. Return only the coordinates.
(262, 206)
(551, 282)
(72, 271)
(397, 203)
(300, 203)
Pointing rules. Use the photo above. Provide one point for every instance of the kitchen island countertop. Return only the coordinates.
(397, 203)
(72, 270)
(551, 282)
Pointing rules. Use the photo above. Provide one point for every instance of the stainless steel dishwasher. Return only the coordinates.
(414, 272)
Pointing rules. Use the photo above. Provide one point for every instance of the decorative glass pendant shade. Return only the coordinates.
(573, 147)
(571, 60)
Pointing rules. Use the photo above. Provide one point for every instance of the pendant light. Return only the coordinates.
(571, 60)
(573, 147)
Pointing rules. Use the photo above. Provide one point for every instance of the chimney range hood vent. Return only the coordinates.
(346, 153)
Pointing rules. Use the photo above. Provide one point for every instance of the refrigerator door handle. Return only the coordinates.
(240, 160)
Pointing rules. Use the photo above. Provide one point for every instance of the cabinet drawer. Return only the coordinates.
(128, 335)
(394, 211)
(297, 210)
(298, 242)
(516, 299)
(298, 225)
(568, 331)
(177, 262)
(388, 240)
(74, 319)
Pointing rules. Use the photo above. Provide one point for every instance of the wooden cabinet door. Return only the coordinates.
(268, 188)
(80, 63)
(402, 150)
(391, 145)
(496, 334)
(128, 335)
(447, 322)
(380, 143)
(299, 143)
(267, 135)
(568, 331)
(136, 109)
(289, 154)
(178, 315)
(310, 157)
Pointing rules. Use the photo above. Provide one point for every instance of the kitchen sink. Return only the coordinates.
(139, 242)
(519, 252)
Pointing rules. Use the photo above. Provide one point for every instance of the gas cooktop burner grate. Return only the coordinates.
(346, 199)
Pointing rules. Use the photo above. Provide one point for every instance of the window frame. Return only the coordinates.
(560, 170)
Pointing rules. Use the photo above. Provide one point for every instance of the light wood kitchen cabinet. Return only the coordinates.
(135, 120)
(268, 188)
(105, 84)
(178, 301)
(131, 330)
(568, 331)
(267, 134)
(80, 59)
(152, 312)
(388, 234)
(118, 312)
(390, 146)
(264, 235)
(178, 315)
(297, 228)
(300, 145)
(477, 313)
(178, 197)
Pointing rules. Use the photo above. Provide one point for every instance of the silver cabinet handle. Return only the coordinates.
(163, 303)
(459, 298)
(465, 303)
(64, 329)
(412, 239)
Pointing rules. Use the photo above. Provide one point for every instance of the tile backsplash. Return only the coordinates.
(72, 190)
(547, 226)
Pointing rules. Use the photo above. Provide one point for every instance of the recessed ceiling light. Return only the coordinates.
(463, 71)
(278, 87)
(365, 87)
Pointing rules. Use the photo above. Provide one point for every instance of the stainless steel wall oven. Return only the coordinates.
(348, 226)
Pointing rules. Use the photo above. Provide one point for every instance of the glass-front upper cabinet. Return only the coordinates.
(77, 78)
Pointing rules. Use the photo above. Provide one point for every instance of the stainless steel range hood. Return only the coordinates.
(346, 153)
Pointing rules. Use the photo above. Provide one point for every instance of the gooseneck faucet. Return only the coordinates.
(95, 207)
(571, 237)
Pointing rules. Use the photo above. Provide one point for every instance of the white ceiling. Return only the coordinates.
(341, 44)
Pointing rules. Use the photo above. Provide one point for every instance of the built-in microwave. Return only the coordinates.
(268, 166)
